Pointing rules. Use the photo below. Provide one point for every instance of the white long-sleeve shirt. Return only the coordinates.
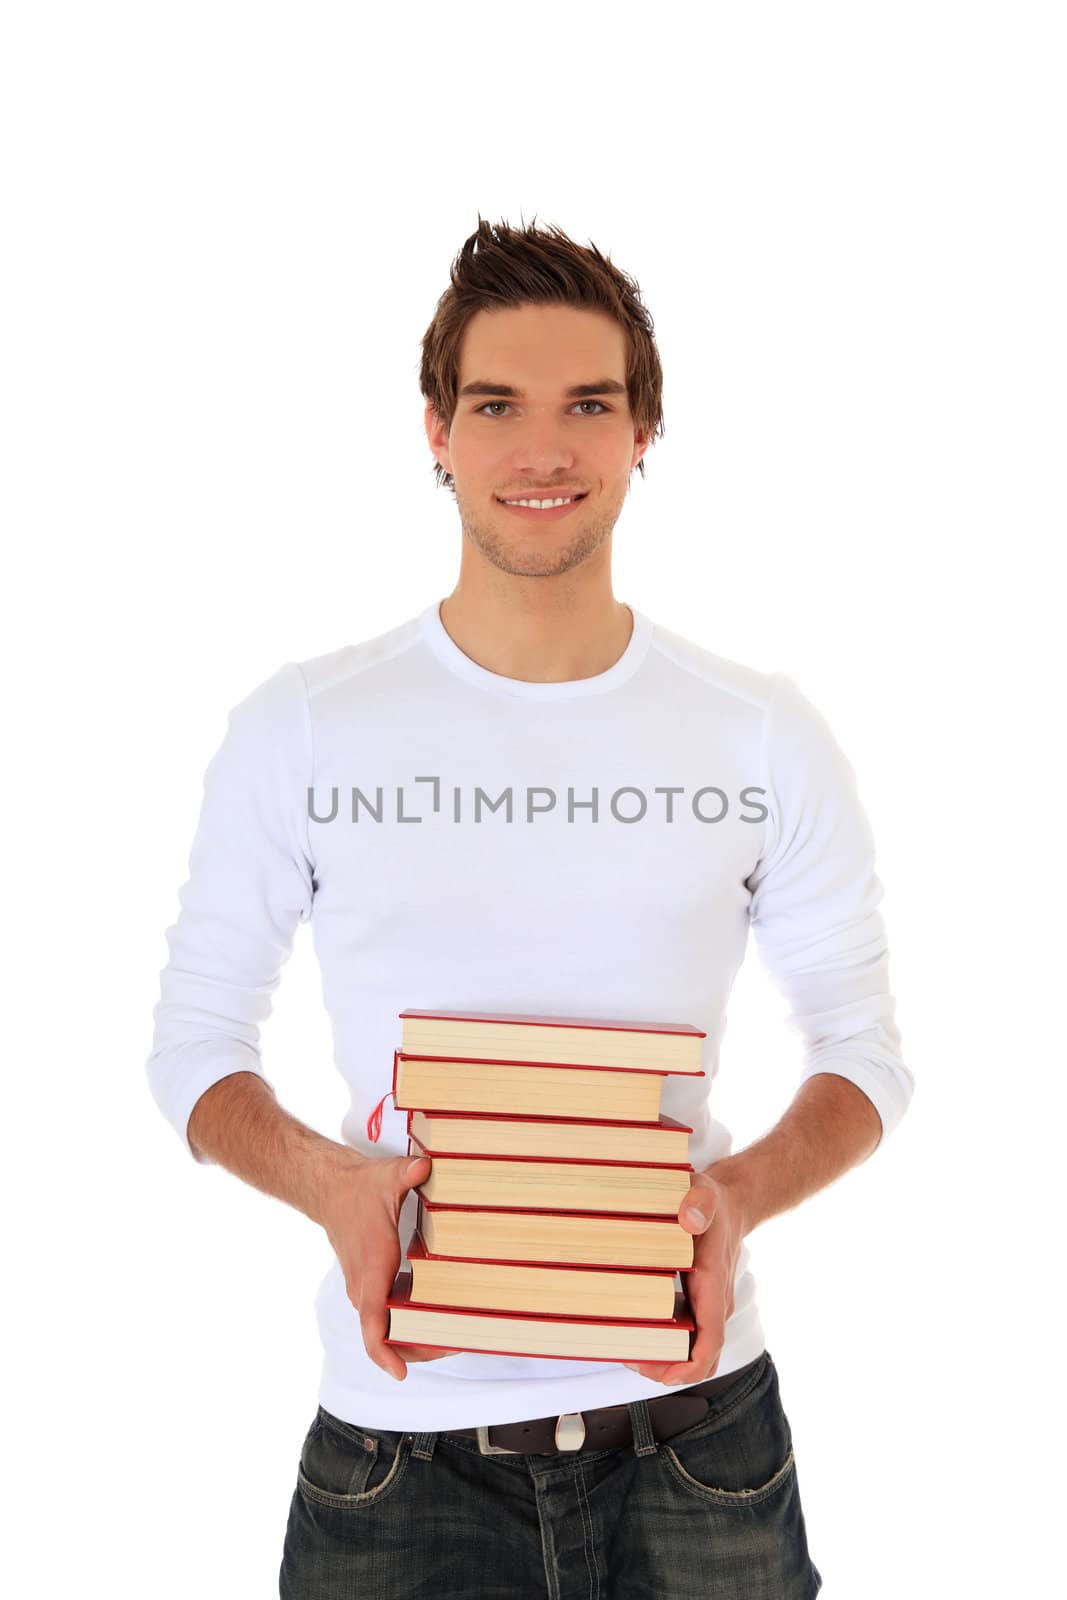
(460, 840)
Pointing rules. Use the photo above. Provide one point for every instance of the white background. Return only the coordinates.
(226, 228)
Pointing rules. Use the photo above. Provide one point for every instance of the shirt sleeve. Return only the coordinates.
(250, 885)
(814, 909)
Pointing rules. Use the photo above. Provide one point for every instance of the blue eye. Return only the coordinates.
(599, 403)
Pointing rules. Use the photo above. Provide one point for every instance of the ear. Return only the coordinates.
(641, 444)
(437, 435)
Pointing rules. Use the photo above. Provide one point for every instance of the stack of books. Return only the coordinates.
(545, 1228)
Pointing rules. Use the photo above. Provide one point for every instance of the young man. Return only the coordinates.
(650, 802)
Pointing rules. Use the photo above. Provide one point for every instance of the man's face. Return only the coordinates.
(539, 441)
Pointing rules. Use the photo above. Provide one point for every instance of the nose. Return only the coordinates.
(542, 440)
(542, 453)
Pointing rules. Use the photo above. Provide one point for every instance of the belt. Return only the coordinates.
(605, 1428)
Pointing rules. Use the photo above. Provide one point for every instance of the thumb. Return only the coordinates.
(414, 1172)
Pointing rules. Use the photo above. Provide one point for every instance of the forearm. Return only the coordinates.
(239, 1123)
(830, 1127)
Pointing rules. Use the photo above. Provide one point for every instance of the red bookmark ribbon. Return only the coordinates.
(374, 1121)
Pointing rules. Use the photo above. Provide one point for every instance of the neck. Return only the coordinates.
(538, 633)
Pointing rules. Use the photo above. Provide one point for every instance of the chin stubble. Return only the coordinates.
(530, 561)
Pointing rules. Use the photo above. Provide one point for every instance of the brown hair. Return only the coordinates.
(504, 266)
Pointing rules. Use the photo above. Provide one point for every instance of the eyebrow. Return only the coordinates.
(577, 391)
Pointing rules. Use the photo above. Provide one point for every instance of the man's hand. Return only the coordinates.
(361, 1216)
(710, 1282)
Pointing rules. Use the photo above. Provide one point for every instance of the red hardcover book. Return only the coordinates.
(557, 1211)
(460, 1043)
(613, 1024)
(416, 1250)
(578, 1161)
(679, 1239)
(492, 1133)
(400, 1300)
(374, 1121)
(581, 1291)
(665, 1122)
(549, 1066)
(667, 1206)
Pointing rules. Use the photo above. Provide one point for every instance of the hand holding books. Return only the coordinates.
(361, 1217)
(720, 1228)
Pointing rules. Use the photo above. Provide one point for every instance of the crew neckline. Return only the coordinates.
(448, 652)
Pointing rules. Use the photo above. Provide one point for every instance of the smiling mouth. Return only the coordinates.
(561, 494)
(549, 513)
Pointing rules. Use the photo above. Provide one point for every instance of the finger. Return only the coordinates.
(697, 1209)
(422, 1352)
(409, 1174)
(704, 1296)
(703, 1359)
(381, 1260)
(695, 1299)
(701, 1304)
(415, 1171)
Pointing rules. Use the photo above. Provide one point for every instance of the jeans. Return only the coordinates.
(714, 1511)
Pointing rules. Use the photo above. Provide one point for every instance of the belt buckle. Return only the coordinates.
(569, 1435)
(570, 1431)
(488, 1449)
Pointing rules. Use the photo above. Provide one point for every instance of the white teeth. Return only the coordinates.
(540, 505)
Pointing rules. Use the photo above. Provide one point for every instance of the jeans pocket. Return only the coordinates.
(743, 1450)
(346, 1466)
